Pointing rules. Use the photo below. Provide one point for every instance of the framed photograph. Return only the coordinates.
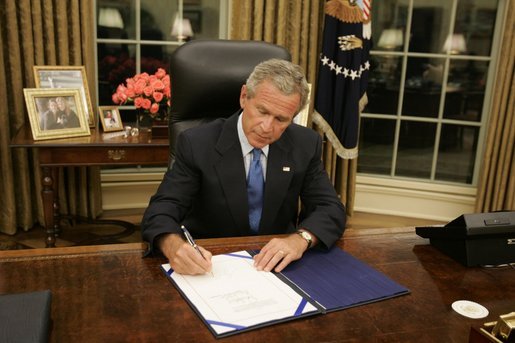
(67, 77)
(110, 118)
(56, 113)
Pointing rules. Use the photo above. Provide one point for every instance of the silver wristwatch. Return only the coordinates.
(307, 236)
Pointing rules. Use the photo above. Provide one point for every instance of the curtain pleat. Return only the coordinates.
(16, 183)
(258, 12)
(8, 211)
(50, 52)
(37, 24)
(40, 32)
(281, 19)
(294, 30)
(297, 25)
(62, 41)
(496, 188)
(75, 33)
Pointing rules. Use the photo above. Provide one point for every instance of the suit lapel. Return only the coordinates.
(279, 173)
(231, 173)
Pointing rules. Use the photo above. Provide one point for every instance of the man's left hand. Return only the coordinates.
(280, 252)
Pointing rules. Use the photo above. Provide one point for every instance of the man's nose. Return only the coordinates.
(267, 123)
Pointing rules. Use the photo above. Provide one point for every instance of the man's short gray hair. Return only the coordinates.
(287, 77)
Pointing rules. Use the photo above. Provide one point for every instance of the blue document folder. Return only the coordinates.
(325, 281)
(337, 280)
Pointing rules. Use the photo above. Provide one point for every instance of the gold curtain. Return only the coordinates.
(496, 189)
(40, 32)
(297, 25)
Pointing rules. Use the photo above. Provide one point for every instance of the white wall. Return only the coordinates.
(373, 195)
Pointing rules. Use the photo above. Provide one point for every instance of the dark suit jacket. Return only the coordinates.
(206, 188)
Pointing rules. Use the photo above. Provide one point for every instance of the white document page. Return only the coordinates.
(237, 296)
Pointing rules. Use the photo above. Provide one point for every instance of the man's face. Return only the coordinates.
(60, 103)
(52, 106)
(267, 114)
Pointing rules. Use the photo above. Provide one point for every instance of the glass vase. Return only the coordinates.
(160, 124)
(144, 121)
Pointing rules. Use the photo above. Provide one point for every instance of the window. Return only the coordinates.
(431, 69)
(135, 36)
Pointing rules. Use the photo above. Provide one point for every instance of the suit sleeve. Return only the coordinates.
(173, 199)
(322, 213)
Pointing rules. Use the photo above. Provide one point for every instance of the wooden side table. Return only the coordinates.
(98, 149)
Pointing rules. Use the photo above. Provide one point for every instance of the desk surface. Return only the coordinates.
(112, 294)
(23, 139)
(98, 149)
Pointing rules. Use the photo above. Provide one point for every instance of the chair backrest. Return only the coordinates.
(206, 78)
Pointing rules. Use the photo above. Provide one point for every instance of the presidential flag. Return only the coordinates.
(343, 73)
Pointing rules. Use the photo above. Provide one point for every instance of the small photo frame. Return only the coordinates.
(110, 118)
(56, 113)
(66, 77)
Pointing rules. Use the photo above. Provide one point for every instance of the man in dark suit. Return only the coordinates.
(206, 189)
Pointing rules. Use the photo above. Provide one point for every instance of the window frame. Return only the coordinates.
(447, 57)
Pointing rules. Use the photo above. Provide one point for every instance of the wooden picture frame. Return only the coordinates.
(110, 118)
(66, 77)
(56, 113)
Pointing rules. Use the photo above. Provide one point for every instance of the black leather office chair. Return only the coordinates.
(206, 78)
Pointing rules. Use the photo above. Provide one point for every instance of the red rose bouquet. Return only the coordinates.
(150, 93)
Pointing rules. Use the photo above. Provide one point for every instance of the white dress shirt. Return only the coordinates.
(246, 150)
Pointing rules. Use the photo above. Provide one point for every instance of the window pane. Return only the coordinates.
(415, 153)
(457, 153)
(160, 20)
(423, 87)
(465, 90)
(383, 84)
(116, 62)
(474, 28)
(204, 16)
(153, 57)
(116, 19)
(429, 25)
(156, 56)
(157, 19)
(376, 146)
(389, 27)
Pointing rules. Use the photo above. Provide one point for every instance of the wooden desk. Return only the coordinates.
(98, 149)
(112, 294)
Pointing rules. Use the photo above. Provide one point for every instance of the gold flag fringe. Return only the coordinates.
(341, 151)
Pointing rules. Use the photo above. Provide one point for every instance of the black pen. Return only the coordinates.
(190, 240)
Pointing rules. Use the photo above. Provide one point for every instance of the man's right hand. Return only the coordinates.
(183, 258)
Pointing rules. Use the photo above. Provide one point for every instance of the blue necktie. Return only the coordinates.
(255, 187)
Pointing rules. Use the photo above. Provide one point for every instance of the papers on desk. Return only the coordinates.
(240, 298)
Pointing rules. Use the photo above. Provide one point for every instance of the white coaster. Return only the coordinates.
(470, 309)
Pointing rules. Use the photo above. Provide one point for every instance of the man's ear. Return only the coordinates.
(243, 96)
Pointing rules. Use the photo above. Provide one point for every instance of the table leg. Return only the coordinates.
(49, 194)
